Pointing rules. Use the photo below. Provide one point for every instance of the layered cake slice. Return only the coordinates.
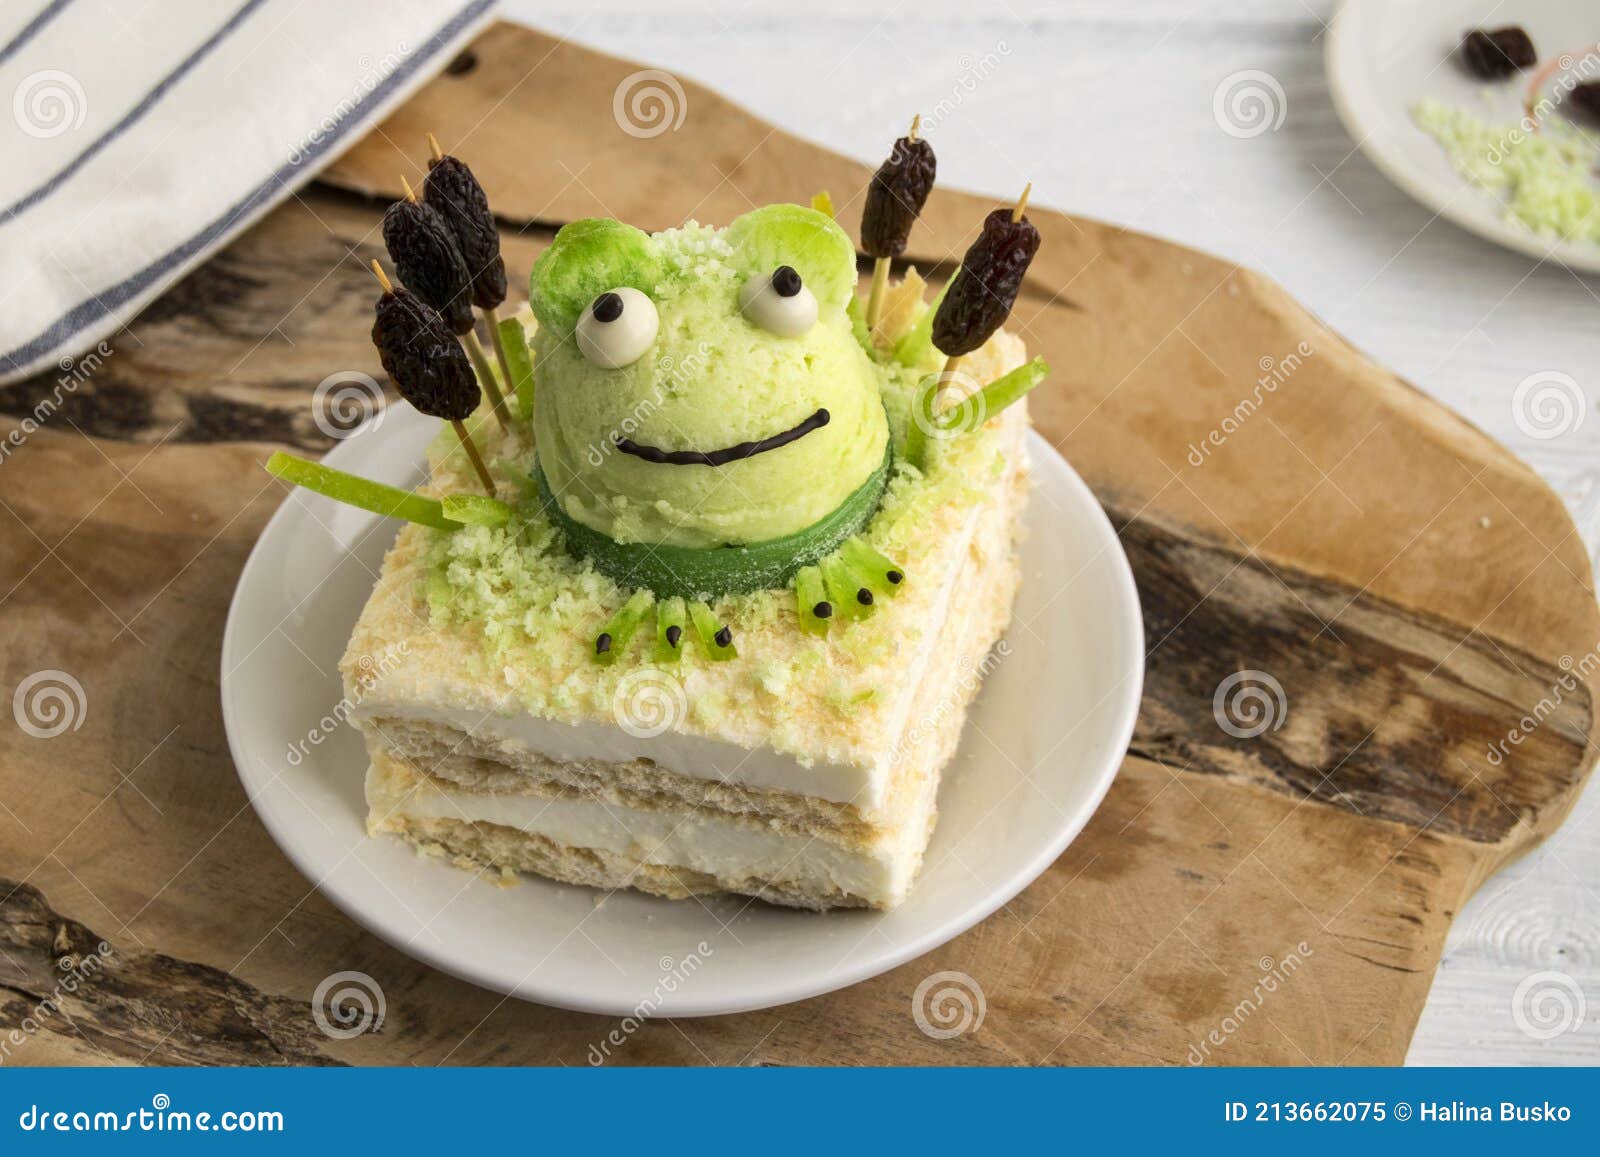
(804, 771)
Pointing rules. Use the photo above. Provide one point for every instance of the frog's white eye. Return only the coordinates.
(779, 303)
(617, 328)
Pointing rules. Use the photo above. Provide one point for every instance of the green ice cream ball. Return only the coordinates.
(808, 241)
(712, 380)
(587, 258)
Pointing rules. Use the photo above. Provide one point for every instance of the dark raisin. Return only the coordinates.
(423, 358)
(429, 262)
(723, 637)
(1586, 99)
(985, 287)
(895, 197)
(460, 200)
(1497, 53)
(674, 633)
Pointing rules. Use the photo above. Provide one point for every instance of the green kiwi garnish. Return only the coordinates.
(672, 616)
(812, 602)
(716, 640)
(614, 639)
(851, 599)
(872, 568)
(689, 572)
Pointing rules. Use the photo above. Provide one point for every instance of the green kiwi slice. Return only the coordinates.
(672, 617)
(812, 602)
(715, 639)
(871, 569)
(614, 639)
(692, 573)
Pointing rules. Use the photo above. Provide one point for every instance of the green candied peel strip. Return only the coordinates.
(670, 613)
(987, 402)
(513, 341)
(705, 629)
(808, 592)
(363, 493)
(615, 636)
(884, 576)
(476, 509)
(1012, 387)
(843, 589)
(916, 345)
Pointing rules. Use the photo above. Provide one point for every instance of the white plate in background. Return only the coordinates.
(1383, 56)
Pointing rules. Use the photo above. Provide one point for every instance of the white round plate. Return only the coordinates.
(1385, 55)
(1043, 742)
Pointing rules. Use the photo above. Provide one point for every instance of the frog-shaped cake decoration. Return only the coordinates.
(706, 406)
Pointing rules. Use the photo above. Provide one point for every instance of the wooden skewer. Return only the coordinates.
(434, 149)
(880, 285)
(492, 316)
(383, 278)
(916, 123)
(485, 372)
(476, 458)
(1022, 203)
(411, 194)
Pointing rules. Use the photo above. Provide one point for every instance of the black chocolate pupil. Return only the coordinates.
(607, 307)
(786, 281)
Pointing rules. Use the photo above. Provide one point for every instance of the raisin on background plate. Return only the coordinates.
(1495, 54)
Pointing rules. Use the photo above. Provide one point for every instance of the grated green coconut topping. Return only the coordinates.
(537, 608)
(1546, 180)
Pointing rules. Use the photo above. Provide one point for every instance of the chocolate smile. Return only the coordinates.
(728, 454)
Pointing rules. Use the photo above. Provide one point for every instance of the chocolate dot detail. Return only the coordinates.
(895, 577)
(723, 637)
(785, 281)
(602, 644)
(823, 610)
(607, 307)
(674, 633)
(864, 597)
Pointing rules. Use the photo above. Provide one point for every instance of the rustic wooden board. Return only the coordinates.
(1413, 588)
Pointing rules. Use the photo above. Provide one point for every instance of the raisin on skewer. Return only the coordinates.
(453, 191)
(895, 197)
(426, 364)
(425, 254)
(985, 287)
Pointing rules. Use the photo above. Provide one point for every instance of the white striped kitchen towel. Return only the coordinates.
(137, 139)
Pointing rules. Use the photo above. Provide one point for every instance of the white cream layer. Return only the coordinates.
(697, 756)
(881, 872)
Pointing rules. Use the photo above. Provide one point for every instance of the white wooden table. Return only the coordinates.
(1106, 105)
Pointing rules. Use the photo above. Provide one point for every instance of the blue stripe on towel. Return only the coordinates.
(134, 115)
(103, 303)
(31, 29)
